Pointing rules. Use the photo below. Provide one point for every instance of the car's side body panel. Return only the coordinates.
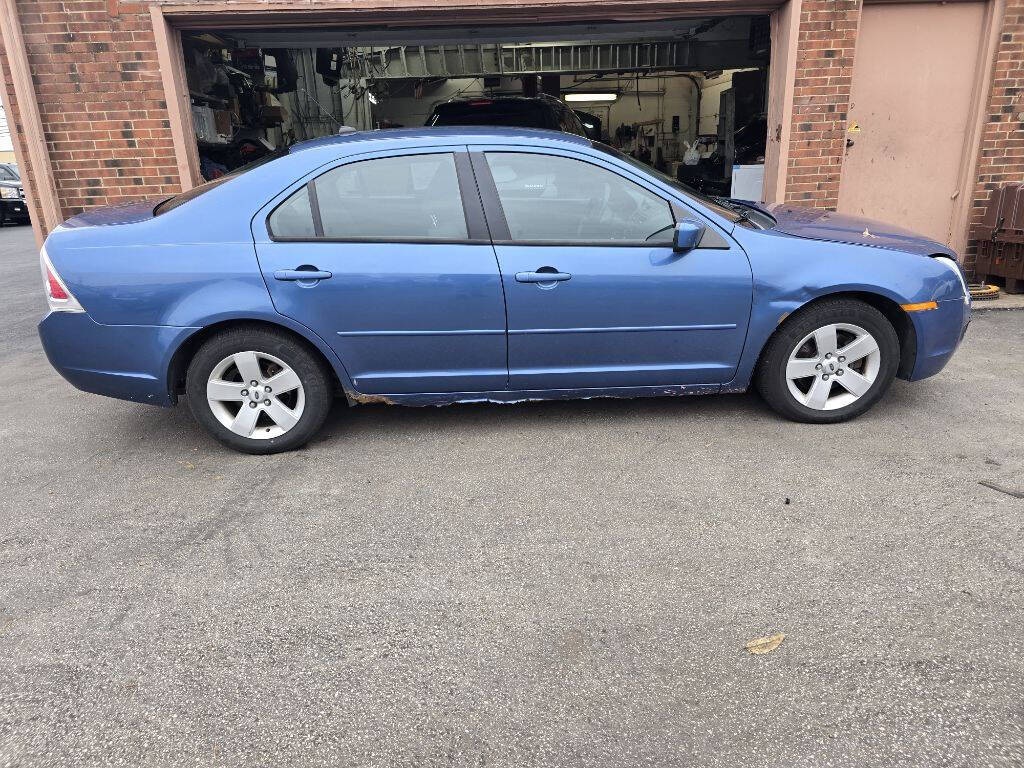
(510, 396)
(630, 315)
(186, 284)
(404, 316)
(152, 283)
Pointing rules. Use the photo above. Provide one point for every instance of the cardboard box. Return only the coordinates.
(222, 122)
(273, 116)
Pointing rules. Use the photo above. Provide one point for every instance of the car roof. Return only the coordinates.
(356, 141)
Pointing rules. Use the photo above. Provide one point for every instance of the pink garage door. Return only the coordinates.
(913, 80)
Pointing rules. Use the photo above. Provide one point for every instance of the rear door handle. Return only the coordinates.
(542, 277)
(301, 274)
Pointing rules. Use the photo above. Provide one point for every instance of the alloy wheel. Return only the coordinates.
(255, 395)
(833, 366)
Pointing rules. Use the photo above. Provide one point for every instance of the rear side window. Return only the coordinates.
(408, 197)
(293, 219)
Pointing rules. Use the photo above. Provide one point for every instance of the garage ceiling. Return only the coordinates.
(705, 28)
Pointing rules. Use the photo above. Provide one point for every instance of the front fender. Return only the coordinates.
(790, 272)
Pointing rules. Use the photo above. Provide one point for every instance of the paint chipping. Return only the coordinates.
(361, 399)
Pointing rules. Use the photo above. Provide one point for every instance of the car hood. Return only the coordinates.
(123, 213)
(816, 224)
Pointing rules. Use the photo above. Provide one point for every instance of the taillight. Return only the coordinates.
(57, 294)
(54, 289)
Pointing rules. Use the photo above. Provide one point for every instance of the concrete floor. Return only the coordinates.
(548, 584)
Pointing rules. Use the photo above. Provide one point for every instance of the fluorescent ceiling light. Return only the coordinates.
(591, 96)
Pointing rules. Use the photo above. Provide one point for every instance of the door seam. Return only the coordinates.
(497, 262)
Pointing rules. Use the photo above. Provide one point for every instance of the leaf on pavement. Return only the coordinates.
(760, 645)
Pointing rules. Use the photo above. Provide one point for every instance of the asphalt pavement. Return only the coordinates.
(551, 584)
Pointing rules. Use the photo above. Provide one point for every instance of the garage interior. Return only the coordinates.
(687, 96)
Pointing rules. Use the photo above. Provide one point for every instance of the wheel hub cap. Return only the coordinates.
(255, 395)
(833, 366)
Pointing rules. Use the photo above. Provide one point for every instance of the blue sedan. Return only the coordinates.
(433, 266)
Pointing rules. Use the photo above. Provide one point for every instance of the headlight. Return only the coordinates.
(9, 193)
(959, 273)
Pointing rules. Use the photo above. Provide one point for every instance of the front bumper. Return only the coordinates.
(939, 333)
(129, 362)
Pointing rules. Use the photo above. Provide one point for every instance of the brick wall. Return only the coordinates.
(1001, 155)
(95, 69)
(821, 95)
(101, 100)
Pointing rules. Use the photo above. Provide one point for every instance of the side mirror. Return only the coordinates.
(687, 235)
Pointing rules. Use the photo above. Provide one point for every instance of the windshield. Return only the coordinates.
(500, 113)
(173, 202)
(708, 202)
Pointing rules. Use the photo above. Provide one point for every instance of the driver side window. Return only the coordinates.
(558, 199)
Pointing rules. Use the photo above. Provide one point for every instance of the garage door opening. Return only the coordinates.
(688, 97)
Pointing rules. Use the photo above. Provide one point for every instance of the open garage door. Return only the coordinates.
(687, 96)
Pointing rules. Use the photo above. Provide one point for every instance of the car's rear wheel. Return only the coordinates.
(257, 390)
(829, 362)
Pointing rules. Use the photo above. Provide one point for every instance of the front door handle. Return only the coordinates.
(301, 274)
(542, 277)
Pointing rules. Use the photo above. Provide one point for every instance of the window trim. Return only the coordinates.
(476, 224)
(492, 203)
(314, 209)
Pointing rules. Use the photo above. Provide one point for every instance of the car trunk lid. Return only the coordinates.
(109, 215)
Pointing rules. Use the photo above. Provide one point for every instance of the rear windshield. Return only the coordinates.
(173, 202)
(496, 113)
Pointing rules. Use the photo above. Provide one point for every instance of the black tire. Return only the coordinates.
(315, 378)
(771, 378)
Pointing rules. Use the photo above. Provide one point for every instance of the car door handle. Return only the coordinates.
(542, 277)
(301, 274)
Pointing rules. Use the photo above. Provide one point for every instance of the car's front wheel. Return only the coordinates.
(829, 362)
(258, 390)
